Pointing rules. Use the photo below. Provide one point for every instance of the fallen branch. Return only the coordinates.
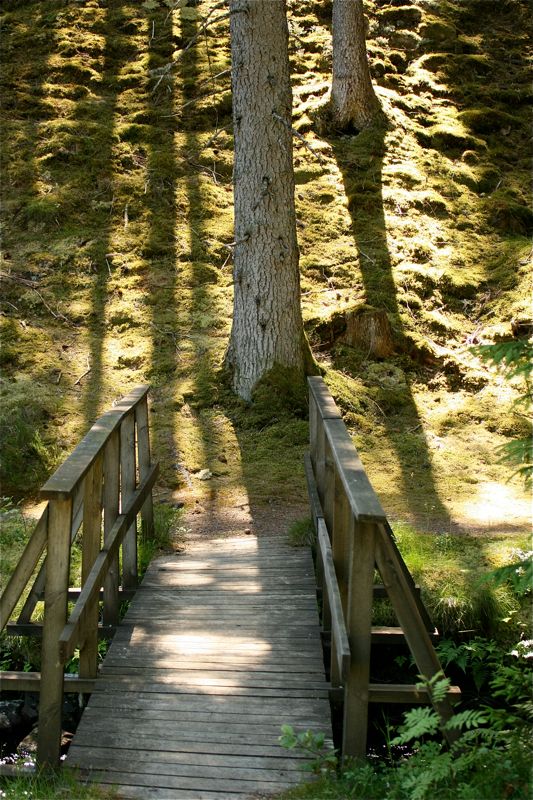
(89, 369)
(301, 138)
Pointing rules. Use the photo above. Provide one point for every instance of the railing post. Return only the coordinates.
(143, 447)
(55, 617)
(111, 503)
(91, 543)
(127, 488)
(360, 594)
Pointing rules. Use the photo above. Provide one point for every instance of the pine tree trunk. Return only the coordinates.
(353, 101)
(267, 323)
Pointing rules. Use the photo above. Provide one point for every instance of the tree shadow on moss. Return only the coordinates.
(360, 161)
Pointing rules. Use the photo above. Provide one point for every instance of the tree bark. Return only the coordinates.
(267, 322)
(353, 101)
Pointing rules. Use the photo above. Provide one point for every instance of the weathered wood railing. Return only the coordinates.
(101, 488)
(353, 538)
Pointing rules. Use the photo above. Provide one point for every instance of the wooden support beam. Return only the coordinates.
(359, 622)
(408, 614)
(409, 694)
(36, 628)
(31, 682)
(24, 569)
(55, 615)
(36, 592)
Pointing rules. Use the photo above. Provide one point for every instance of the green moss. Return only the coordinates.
(25, 459)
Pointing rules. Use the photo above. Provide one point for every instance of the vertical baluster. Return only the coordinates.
(91, 543)
(111, 512)
(127, 488)
(143, 445)
(55, 617)
(360, 595)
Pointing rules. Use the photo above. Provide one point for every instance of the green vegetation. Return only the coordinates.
(50, 787)
(491, 756)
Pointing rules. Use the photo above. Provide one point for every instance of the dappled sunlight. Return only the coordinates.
(493, 504)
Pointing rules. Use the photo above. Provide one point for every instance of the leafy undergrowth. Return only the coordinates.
(116, 271)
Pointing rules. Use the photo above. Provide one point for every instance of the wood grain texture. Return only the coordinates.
(219, 648)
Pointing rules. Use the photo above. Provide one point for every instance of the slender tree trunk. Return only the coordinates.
(353, 102)
(267, 323)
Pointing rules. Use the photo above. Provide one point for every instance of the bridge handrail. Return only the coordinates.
(102, 486)
(354, 539)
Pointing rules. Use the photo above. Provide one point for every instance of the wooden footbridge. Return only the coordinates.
(220, 646)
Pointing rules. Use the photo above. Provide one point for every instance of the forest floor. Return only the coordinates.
(117, 260)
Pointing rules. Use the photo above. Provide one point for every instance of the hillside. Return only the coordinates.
(116, 164)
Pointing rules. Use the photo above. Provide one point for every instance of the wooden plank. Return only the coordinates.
(208, 678)
(91, 542)
(64, 480)
(127, 490)
(135, 717)
(359, 492)
(24, 569)
(206, 772)
(124, 684)
(69, 635)
(111, 502)
(191, 784)
(247, 743)
(199, 760)
(143, 450)
(31, 682)
(284, 706)
(359, 624)
(134, 663)
(55, 614)
(340, 636)
(154, 793)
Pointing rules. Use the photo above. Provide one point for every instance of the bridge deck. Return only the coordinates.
(218, 649)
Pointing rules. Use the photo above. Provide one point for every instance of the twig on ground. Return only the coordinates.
(301, 138)
(89, 369)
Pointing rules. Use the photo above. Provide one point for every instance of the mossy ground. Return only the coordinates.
(117, 164)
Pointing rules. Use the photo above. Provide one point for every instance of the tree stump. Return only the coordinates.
(369, 330)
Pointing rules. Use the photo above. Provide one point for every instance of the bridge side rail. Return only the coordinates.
(100, 488)
(354, 538)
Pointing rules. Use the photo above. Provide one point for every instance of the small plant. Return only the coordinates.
(302, 533)
(323, 758)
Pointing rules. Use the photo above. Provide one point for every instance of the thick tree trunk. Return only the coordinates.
(267, 322)
(353, 102)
